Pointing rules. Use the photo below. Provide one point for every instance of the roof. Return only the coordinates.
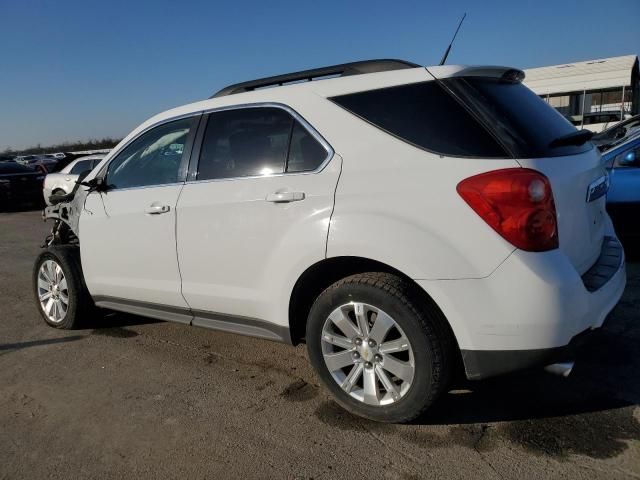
(575, 77)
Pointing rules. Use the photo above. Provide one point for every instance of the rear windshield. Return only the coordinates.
(524, 122)
(467, 117)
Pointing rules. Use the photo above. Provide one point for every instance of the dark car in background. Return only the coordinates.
(19, 185)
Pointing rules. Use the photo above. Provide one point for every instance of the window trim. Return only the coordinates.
(195, 153)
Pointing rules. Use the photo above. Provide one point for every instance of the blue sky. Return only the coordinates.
(74, 70)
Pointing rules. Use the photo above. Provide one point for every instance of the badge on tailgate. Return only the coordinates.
(597, 188)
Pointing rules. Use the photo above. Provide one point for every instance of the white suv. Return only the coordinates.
(400, 220)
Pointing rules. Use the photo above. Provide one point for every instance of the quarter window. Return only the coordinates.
(155, 158)
(426, 116)
(305, 152)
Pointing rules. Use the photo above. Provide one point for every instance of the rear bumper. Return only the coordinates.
(481, 364)
(531, 310)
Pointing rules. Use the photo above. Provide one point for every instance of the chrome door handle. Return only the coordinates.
(284, 197)
(157, 208)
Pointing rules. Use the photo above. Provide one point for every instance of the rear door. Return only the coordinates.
(255, 212)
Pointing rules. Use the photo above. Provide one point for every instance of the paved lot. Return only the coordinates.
(133, 398)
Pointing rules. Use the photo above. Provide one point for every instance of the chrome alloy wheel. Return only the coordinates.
(53, 292)
(367, 354)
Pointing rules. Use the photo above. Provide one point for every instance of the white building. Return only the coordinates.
(590, 93)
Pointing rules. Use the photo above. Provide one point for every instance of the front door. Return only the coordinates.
(128, 240)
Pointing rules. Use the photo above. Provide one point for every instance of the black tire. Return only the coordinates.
(80, 305)
(423, 324)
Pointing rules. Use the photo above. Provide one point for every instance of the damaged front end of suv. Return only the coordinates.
(65, 212)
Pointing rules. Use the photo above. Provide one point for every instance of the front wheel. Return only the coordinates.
(381, 349)
(61, 295)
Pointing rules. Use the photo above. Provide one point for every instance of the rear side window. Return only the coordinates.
(81, 166)
(260, 141)
(524, 122)
(245, 142)
(426, 116)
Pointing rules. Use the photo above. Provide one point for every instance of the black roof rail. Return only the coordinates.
(342, 70)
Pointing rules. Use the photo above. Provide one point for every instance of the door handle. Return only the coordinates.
(157, 208)
(284, 197)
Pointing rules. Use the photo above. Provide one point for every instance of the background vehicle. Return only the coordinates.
(42, 162)
(623, 198)
(19, 184)
(63, 182)
(617, 134)
(399, 220)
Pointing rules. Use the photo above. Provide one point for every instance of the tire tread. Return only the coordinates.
(431, 320)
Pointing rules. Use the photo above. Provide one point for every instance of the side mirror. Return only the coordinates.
(96, 184)
(628, 158)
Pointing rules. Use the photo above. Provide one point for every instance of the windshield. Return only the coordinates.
(523, 122)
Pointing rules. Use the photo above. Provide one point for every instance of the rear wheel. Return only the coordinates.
(61, 295)
(381, 350)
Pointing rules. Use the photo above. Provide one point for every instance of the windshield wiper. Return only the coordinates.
(575, 138)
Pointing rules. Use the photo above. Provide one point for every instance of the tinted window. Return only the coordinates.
(154, 158)
(305, 152)
(522, 121)
(80, 167)
(425, 115)
(245, 142)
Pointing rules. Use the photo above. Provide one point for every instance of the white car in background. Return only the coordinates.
(64, 181)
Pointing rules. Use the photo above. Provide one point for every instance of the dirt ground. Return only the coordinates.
(137, 398)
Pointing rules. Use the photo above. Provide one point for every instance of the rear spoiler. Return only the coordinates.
(512, 75)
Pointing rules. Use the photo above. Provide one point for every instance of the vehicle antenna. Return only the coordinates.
(446, 53)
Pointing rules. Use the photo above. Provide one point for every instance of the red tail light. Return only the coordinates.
(517, 203)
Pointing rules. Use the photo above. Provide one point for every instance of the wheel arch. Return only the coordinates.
(316, 278)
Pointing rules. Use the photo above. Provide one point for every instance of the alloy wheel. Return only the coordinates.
(53, 292)
(368, 354)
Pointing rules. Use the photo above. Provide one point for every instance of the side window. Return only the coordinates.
(80, 167)
(245, 142)
(424, 115)
(305, 152)
(154, 158)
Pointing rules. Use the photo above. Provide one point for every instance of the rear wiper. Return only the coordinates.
(575, 138)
